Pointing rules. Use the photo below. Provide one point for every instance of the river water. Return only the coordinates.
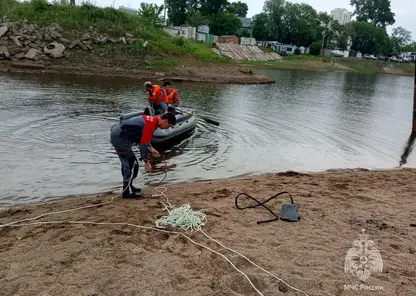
(55, 130)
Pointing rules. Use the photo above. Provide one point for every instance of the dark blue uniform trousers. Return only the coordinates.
(125, 153)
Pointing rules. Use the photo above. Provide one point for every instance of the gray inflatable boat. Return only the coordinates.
(185, 125)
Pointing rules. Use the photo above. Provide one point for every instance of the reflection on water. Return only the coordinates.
(56, 130)
(409, 146)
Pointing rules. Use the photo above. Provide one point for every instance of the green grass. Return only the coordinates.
(293, 62)
(271, 64)
(408, 68)
(106, 20)
(359, 65)
(163, 64)
(372, 66)
(308, 57)
(266, 49)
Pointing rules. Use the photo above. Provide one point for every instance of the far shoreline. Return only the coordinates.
(207, 75)
(331, 64)
(325, 70)
(243, 74)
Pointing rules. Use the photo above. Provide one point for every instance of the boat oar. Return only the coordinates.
(201, 117)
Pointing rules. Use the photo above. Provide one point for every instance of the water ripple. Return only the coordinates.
(56, 131)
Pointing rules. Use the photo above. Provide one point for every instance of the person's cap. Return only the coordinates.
(148, 83)
(166, 83)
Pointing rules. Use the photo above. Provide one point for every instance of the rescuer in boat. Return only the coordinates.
(171, 94)
(137, 130)
(157, 97)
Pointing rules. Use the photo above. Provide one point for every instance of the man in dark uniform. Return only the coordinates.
(137, 130)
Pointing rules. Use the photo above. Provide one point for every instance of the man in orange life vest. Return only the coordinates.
(157, 97)
(137, 130)
(171, 94)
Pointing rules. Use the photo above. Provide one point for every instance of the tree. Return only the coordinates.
(239, 8)
(196, 18)
(329, 30)
(400, 37)
(177, 11)
(244, 33)
(335, 34)
(342, 41)
(210, 7)
(225, 23)
(377, 12)
(410, 47)
(261, 29)
(386, 47)
(151, 13)
(275, 10)
(367, 38)
(299, 24)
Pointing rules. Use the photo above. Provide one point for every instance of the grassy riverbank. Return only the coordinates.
(110, 42)
(107, 20)
(314, 63)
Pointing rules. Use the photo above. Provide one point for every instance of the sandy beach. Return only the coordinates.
(308, 255)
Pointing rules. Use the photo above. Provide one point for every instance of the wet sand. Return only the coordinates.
(309, 255)
(198, 73)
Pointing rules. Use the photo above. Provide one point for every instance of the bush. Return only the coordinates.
(315, 48)
(179, 41)
(297, 51)
(327, 59)
(39, 5)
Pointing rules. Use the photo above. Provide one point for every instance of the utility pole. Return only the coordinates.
(324, 31)
(252, 27)
(414, 101)
(166, 22)
(409, 147)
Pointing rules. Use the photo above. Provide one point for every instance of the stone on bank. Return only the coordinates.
(20, 40)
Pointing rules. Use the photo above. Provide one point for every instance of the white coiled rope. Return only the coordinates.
(183, 217)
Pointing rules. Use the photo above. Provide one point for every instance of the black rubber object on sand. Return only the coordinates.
(288, 213)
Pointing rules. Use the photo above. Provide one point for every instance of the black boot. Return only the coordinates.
(126, 192)
(134, 189)
(135, 172)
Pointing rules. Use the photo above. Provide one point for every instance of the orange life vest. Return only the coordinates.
(157, 95)
(173, 97)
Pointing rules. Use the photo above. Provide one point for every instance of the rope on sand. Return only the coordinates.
(183, 217)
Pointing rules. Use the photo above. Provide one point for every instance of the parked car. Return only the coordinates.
(383, 57)
(396, 59)
(369, 57)
(337, 53)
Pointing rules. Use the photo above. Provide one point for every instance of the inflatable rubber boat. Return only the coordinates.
(185, 125)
